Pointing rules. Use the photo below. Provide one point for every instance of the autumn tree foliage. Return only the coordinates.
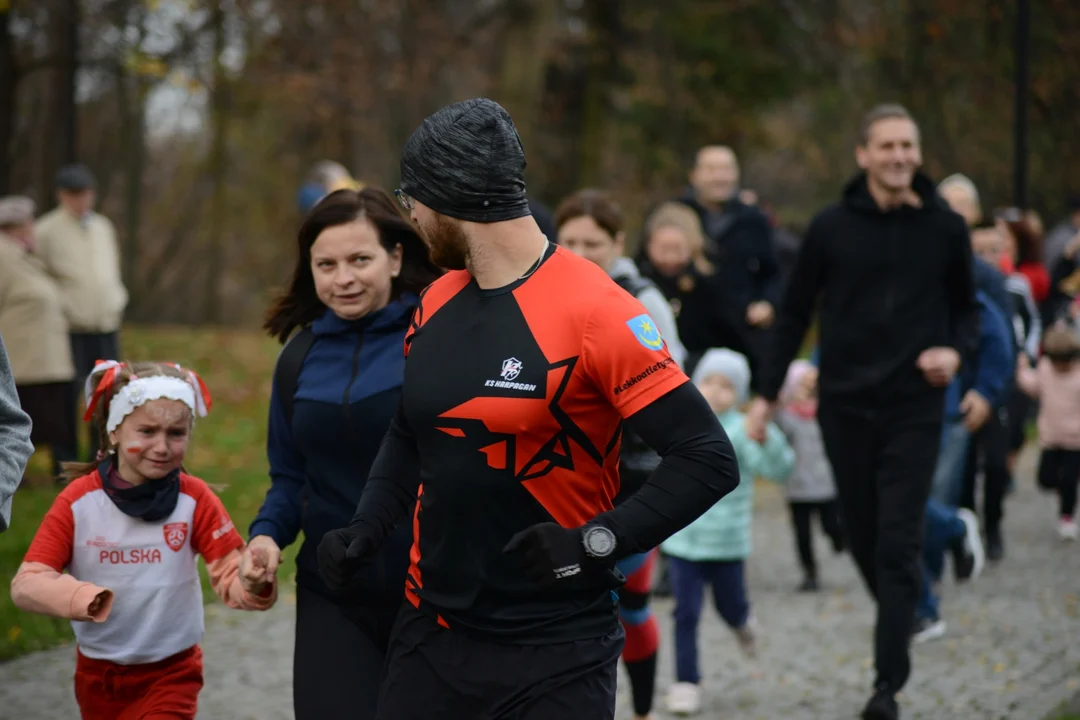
(201, 117)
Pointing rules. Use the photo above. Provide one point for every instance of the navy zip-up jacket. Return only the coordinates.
(989, 281)
(346, 395)
(994, 364)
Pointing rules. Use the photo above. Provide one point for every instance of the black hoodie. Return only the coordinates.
(891, 284)
(742, 251)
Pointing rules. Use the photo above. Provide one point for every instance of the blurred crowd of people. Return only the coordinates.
(62, 301)
(715, 270)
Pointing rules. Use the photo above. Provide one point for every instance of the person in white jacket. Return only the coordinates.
(79, 249)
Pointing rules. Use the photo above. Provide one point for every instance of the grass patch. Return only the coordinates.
(228, 450)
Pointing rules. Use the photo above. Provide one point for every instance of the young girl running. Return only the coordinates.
(811, 489)
(1055, 383)
(128, 530)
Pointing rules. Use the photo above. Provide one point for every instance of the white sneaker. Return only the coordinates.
(968, 565)
(926, 630)
(684, 699)
(1068, 530)
(748, 636)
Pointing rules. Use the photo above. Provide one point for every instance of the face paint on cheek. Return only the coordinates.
(133, 449)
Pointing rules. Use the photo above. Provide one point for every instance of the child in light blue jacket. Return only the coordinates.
(712, 549)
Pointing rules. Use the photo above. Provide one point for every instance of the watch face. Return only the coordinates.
(600, 541)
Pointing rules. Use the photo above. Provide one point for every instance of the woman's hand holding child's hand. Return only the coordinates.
(259, 564)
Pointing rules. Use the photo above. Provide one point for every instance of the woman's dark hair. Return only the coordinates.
(1028, 239)
(595, 204)
(1028, 242)
(299, 305)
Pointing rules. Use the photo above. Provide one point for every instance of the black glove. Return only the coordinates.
(342, 552)
(553, 555)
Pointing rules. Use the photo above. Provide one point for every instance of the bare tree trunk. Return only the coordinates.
(219, 119)
(179, 235)
(8, 83)
(69, 68)
(58, 146)
(605, 30)
(530, 31)
(132, 105)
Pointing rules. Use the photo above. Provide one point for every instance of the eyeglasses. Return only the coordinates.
(404, 200)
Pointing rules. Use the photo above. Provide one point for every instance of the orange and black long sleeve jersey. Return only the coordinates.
(512, 410)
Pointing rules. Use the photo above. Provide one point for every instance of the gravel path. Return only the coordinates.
(1012, 648)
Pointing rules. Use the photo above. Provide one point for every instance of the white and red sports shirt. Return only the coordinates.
(150, 566)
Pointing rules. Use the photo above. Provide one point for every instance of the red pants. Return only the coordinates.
(164, 690)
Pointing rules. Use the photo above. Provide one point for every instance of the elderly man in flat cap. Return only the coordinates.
(35, 331)
(79, 249)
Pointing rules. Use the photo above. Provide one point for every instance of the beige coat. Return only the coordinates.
(32, 320)
(85, 261)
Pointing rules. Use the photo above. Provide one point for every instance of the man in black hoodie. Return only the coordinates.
(892, 266)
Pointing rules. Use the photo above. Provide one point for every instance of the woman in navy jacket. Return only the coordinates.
(359, 270)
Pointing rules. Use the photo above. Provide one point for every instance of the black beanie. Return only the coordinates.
(466, 161)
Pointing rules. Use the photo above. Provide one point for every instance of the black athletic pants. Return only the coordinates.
(338, 657)
(1019, 407)
(436, 674)
(1059, 470)
(883, 460)
(802, 513)
(992, 442)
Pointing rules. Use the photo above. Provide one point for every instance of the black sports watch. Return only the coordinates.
(599, 542)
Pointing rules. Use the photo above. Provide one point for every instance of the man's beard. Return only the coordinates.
(447, 242)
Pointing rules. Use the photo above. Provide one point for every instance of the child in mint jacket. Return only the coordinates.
(712, 550)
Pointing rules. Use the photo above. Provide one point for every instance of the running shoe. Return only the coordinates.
(882, 706)
(967, 550)
(748, 636)
(684, 699)
(926, 630)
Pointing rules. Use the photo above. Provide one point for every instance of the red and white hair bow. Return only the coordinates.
(108, 370)
(203, 401)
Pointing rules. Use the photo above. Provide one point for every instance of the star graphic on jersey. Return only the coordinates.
(498, 419)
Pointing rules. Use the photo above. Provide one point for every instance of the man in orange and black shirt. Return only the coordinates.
(523, 362)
